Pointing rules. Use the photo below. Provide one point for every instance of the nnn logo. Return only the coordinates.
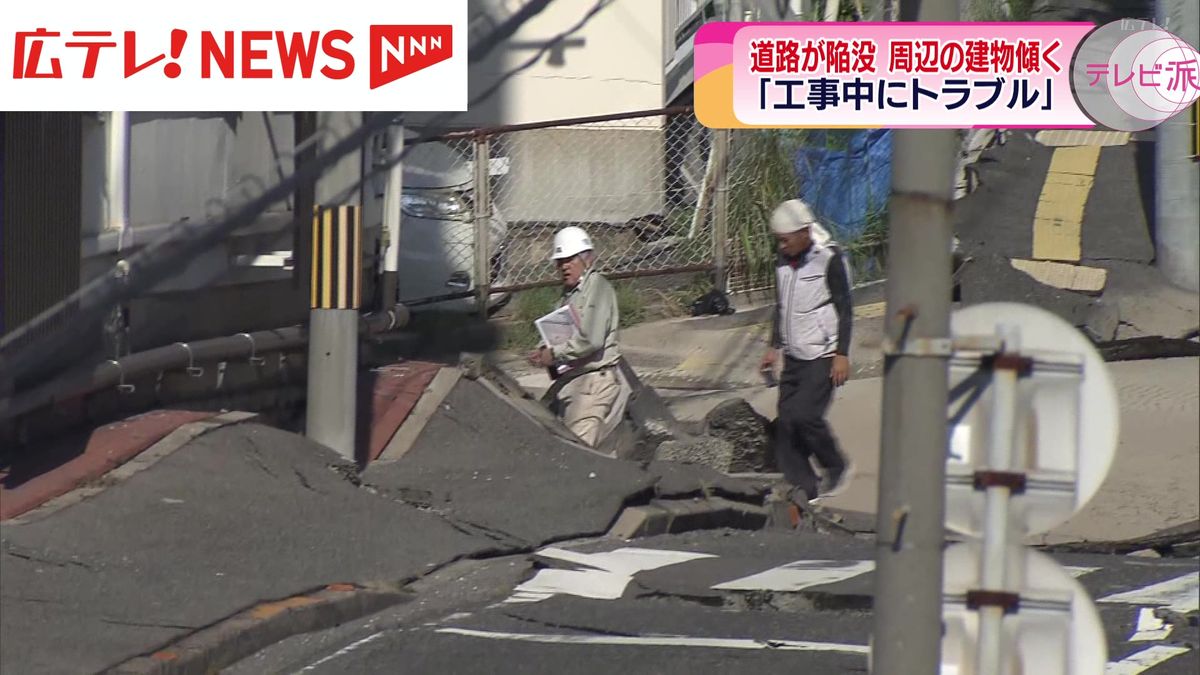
(397, 51)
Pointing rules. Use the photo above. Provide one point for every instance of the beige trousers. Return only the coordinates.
(587, 404)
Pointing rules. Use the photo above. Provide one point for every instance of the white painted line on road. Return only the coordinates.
(1150, 628)
(342, 652)
(661, 641)
(610, 573)
(1140, 662)
(624, 560)
(798, 575)
(1077, 572)
(594, 584)
(1181, 594)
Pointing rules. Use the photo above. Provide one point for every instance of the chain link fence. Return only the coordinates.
(658, 192)
(644, 185)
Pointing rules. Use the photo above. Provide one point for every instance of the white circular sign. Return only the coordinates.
(1056, 630)
(1067, 427)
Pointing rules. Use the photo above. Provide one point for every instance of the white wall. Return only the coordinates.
(613, 64)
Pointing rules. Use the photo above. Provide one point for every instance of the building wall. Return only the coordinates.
(612, 65)
(582, 175)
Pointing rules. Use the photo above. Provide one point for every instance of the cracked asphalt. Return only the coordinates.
(672, 620)
(248, 514)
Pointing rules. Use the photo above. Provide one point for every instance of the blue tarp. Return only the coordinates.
(845, 185)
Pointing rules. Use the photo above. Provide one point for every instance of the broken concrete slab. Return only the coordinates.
(1150, 347)
(671, 516)
(715, 453)
(737, 422)
(502, 474)
(675, 481)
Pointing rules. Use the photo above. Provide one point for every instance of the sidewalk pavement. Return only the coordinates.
(1154, 483)
(244, 534)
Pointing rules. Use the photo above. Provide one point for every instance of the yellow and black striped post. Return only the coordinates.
(337, 257)
(336, 296)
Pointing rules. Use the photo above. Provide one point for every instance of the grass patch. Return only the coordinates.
(631, 303)
(520, 333)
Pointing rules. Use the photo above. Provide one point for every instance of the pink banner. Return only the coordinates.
(895, 75)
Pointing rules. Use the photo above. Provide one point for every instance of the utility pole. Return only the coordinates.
(392, 202)
(1177, 189)
(910, 526)
(335, 294)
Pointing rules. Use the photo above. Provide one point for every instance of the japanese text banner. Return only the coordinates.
(360, 55)
(895, 75)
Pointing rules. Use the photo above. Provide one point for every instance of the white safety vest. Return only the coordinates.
(808, 321)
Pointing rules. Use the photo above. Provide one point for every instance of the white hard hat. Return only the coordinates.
(570, 241)
(792, 216)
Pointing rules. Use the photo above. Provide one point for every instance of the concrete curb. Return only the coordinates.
(227, 642)
(174, 440)
(671, 516)
(410, 428)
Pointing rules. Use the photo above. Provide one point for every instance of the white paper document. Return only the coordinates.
(558, 327)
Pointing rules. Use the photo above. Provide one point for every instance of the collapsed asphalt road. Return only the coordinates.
(176, 559)
(253, 544)
(714, 601)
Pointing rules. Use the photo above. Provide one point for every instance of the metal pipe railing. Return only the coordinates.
(179, 356)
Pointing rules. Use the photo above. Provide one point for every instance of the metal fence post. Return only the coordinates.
(392, 219)
(721, 210)
(483, 216)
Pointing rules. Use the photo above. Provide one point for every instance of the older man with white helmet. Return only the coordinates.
(591, 403)
(812, 329)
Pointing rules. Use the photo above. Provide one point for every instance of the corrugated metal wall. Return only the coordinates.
(40, 197)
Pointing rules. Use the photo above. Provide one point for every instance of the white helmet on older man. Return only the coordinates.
(795, 215)
(570, 241)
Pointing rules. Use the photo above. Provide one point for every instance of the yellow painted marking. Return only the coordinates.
(1069, 137)
(1080, 160)
(1058, 222)
(1062, 275)
(327, 261)
(872, 310)
(344, 266)
(357, 281)
(1069, 180)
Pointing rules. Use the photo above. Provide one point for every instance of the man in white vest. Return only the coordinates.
(812, 323)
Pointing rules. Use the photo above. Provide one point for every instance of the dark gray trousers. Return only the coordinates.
(801, 432)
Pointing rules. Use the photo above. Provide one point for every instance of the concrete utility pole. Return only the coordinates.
(1177, 187)
(333, 328)
(910, 528)
(335, 293)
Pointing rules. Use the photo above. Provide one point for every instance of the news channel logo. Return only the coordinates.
(1132, 75)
